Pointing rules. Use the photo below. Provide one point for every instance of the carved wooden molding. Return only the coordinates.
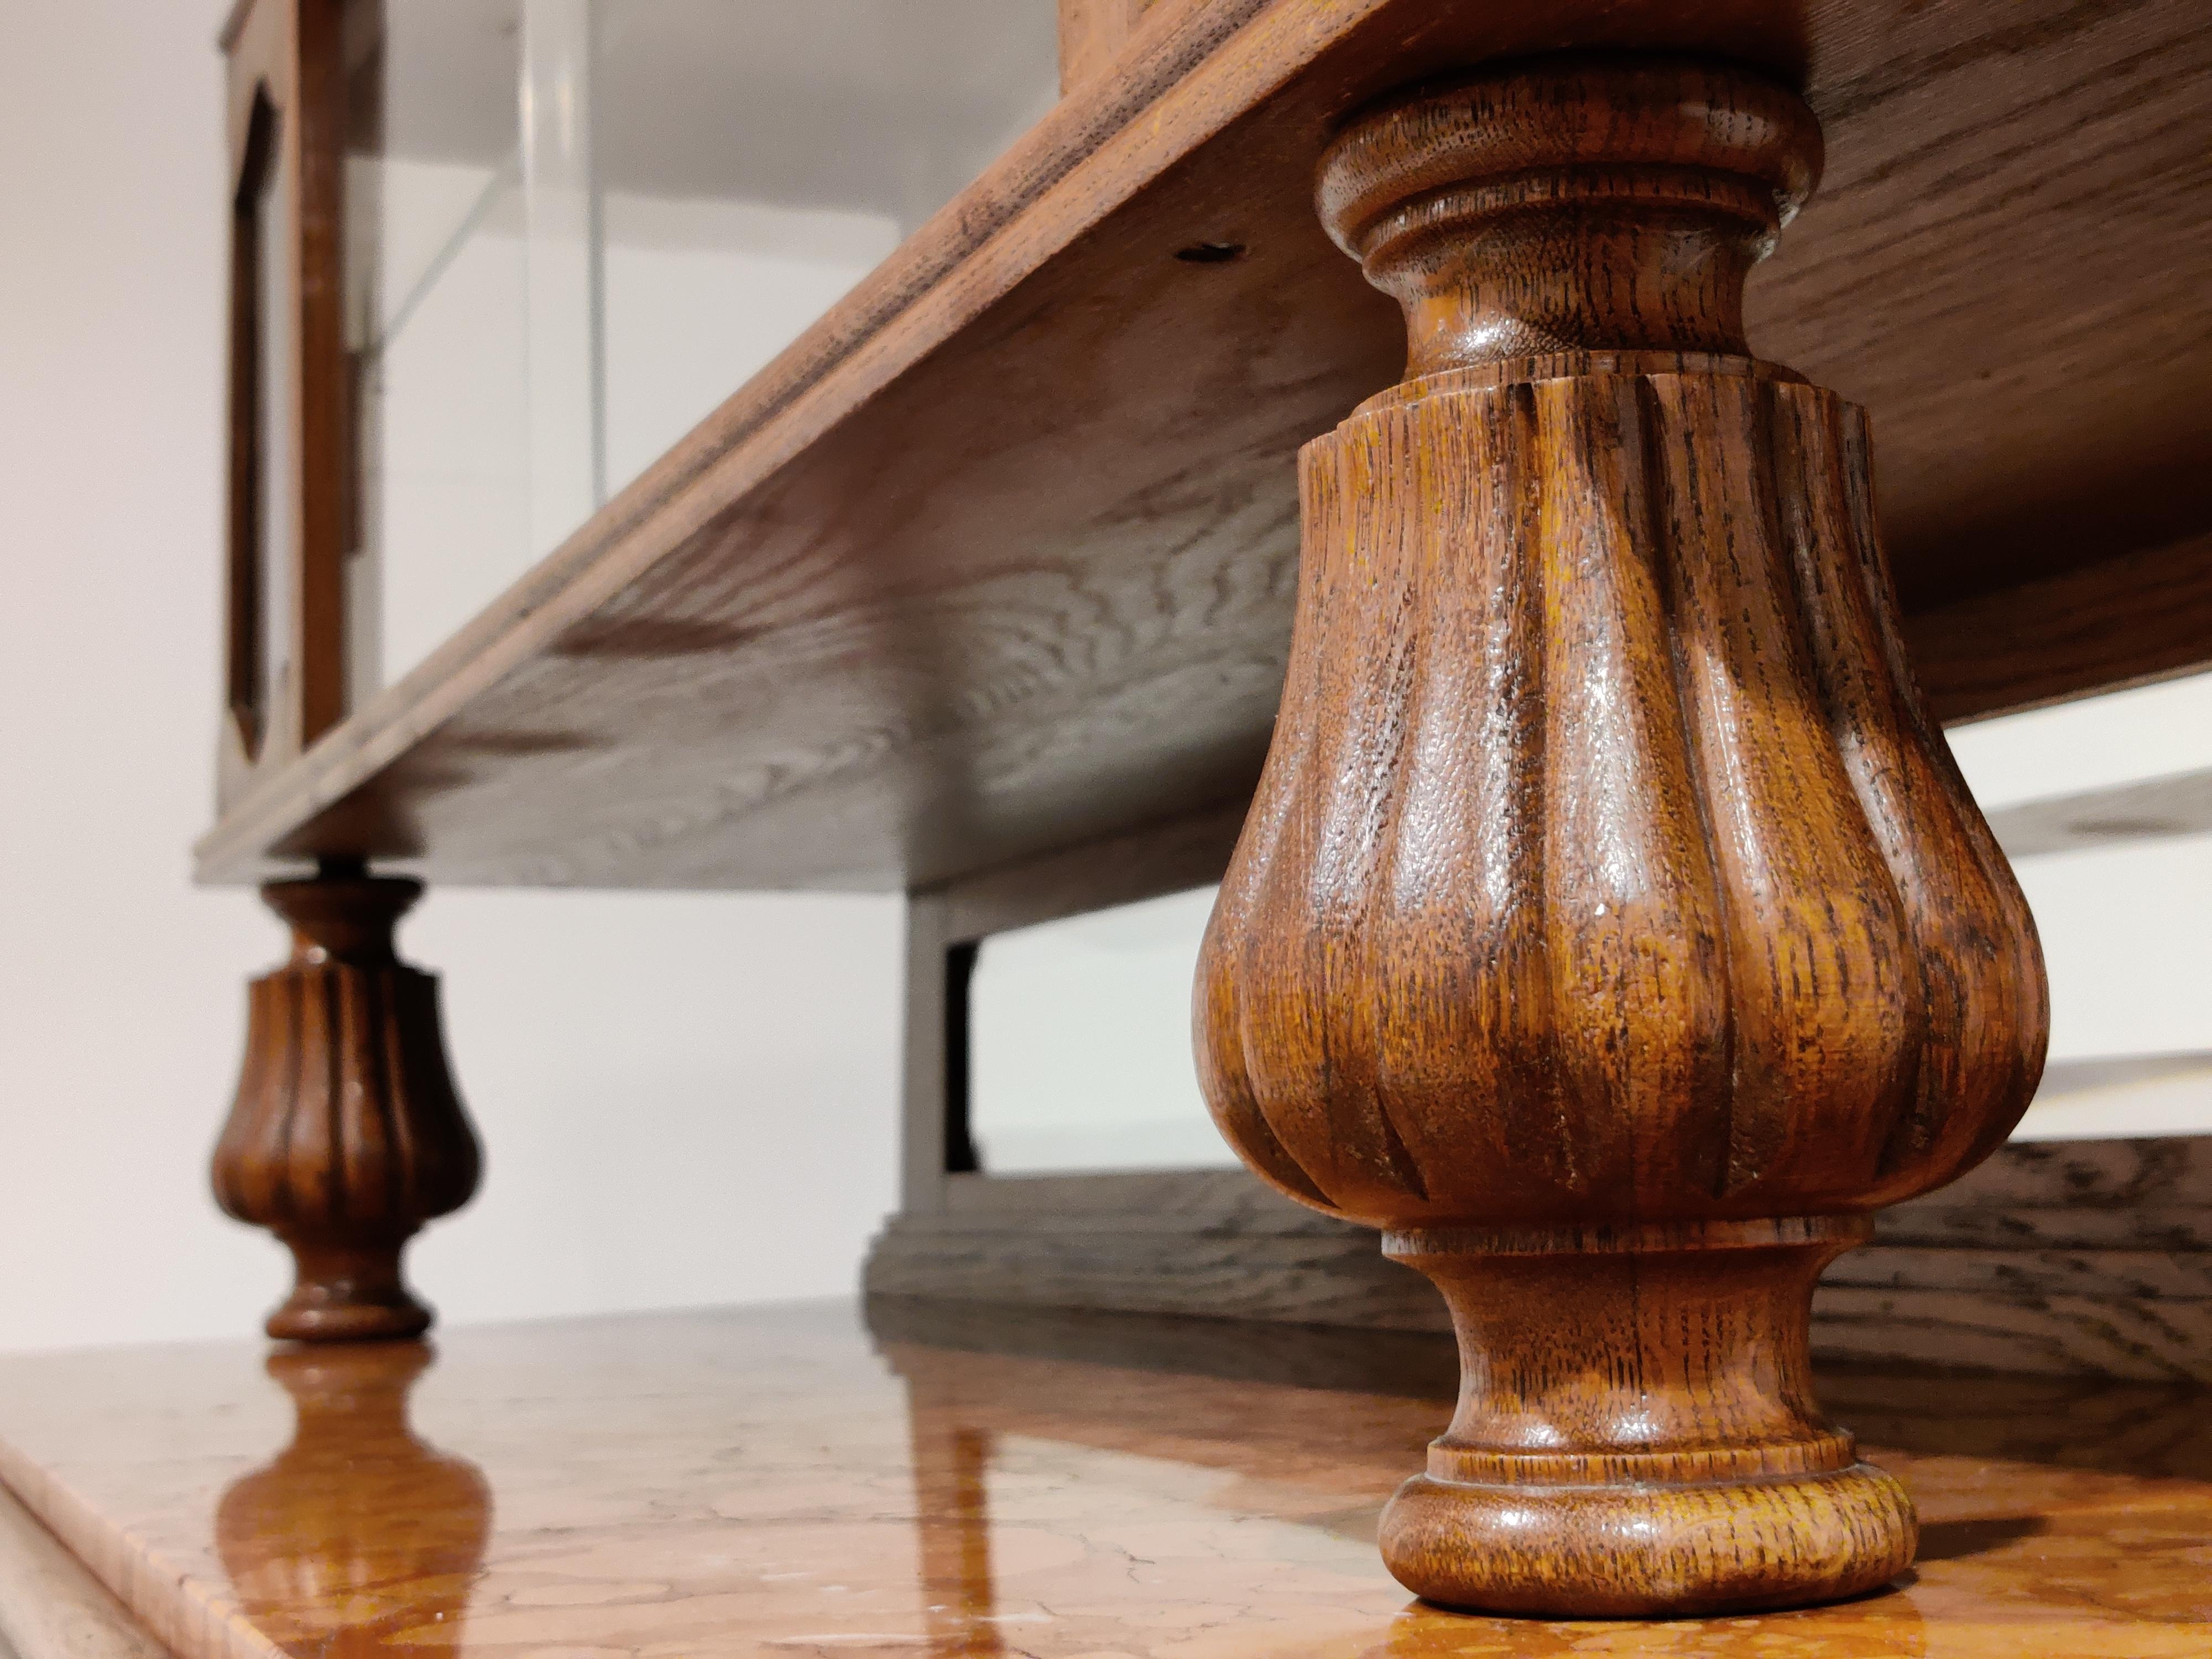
(347, 1135)
(1611, 927)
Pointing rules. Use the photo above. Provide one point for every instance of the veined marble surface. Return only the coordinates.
(985, 1484)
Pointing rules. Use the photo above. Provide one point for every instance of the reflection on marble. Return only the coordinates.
(985, 1484)
(309, 1543)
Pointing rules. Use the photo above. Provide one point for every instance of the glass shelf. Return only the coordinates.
(575, 227)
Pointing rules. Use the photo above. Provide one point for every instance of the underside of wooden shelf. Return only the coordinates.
(2089, 1258)
(999, 557)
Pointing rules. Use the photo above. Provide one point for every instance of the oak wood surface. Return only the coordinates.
(1611, 927)
(1149, 863)
(998, 558)
(346, 1133)
(2062, 1258)
(2140, 616)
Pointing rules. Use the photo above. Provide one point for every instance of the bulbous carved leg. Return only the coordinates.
(347, 1135)
(1611, 927)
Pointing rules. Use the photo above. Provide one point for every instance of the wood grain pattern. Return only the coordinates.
(1611, 927)
(1092, 34)
(1637, 1431)
(1161, 859)
(1319, 1278)
(346, 1134)
(2103, 1335)
(2142, 616)
(2065, 1258)
(905, 638)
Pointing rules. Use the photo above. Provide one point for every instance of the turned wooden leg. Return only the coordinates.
(347, 1135)
(1611, 927)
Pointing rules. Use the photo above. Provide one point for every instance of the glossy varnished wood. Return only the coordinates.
(999, 558)
(346, 1133)
(1611, 927)
(778, 1483)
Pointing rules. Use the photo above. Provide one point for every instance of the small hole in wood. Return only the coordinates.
(1211, 254)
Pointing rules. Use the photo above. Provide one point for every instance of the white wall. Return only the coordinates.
(701, 295)
(685, 1099)
(2127, 930)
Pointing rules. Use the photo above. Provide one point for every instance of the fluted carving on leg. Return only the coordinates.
(1611, 927)
(347, 1134)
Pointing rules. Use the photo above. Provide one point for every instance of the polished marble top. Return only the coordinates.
(820, 1480)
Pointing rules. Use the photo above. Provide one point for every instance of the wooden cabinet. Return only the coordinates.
(290, 467)
(1609, 926)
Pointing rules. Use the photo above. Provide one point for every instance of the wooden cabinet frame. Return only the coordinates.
(285, 116)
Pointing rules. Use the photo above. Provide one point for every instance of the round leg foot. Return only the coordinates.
(1636, 1433)
(1640, 1551)
(348, 1293)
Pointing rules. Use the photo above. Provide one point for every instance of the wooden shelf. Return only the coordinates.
(999, 557)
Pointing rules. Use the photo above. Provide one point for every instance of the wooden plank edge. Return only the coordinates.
(2142, 616)
(1089, 156)
(2138, 620)
(2127, 1339)
(1349, 1285)
(1149, 862)
(2133, 620)
(2033, 1189)
(2039, 1263)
